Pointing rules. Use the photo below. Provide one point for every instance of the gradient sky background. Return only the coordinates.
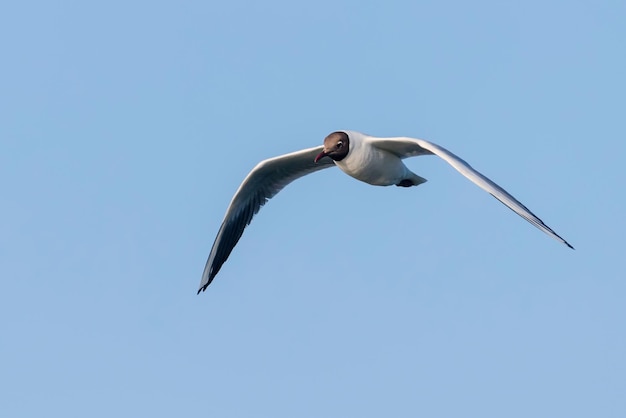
(125, 128)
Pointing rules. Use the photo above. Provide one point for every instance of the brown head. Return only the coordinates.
(336, 146)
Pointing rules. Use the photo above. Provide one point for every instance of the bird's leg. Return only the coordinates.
(406, 183)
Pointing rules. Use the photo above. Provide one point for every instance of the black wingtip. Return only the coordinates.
(568, 244)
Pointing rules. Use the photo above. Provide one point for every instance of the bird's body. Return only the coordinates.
(376, 161)
(374, 165)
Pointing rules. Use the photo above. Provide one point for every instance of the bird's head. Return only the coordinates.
(336, 146)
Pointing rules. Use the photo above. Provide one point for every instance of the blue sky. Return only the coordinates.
(125, 128)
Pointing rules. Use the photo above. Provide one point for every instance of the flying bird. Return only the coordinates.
(376, 161)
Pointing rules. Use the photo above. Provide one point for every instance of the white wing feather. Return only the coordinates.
(405, 147)
(262, 183)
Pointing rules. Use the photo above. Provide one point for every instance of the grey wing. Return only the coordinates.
(262, 183)
(407, 147)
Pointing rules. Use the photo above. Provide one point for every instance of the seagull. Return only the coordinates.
(376, 161)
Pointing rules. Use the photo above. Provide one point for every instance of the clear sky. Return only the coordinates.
(125, 128)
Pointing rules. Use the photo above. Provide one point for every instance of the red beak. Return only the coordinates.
(320, 156)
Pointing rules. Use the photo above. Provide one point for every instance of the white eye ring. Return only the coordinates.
(339, 144)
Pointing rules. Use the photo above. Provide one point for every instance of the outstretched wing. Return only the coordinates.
(262, 183)
(408, 147)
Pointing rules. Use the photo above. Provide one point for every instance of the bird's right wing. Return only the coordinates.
(262, 183)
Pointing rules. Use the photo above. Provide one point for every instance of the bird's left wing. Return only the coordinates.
(405, 147)
(262, 183)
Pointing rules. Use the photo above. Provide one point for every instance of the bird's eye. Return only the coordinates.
(339, 144)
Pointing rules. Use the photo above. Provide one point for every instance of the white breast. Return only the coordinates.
(370, 164)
